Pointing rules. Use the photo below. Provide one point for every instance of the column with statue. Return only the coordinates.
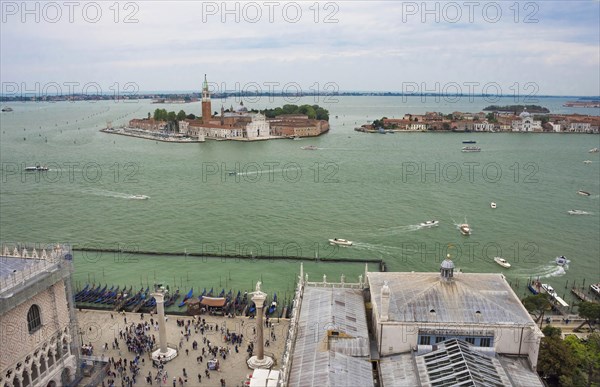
(259, 360)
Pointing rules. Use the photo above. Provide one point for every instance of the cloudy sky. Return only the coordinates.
(530, 47)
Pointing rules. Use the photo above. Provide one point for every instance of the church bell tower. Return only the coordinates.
(206, 108)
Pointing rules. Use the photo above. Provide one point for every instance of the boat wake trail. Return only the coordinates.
(395, 230)
(550, 271)
(380, 249)
(113, 194)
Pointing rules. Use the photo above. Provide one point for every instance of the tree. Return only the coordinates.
(537, 305)
(587, 356)
(191, 116)
(550, 331)
(590, 312)
(555, 363)
(181, 115)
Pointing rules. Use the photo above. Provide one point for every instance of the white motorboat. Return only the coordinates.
(593, 150)
(561, 261)
(502, 262)
(577, 212)
(340, 242)
(464, 229)
(549, 289)
(37, 168)
(7, 109)
(587, 161)
(471, 149)
(583, 193)
(493, 204)
(139, 197)
(596, 288)
(429, 223)
(310, 147)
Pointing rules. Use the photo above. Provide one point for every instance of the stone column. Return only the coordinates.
(259, 360)
(163, 353)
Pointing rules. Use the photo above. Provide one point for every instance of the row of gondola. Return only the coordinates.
(133, 301)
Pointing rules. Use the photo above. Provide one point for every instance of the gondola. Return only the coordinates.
(189, 295)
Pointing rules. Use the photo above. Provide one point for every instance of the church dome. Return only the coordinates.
(241, 108)
(524, 114)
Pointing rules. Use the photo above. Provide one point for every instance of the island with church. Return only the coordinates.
(235, 124)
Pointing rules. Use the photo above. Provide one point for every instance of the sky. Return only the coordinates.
(502, 47)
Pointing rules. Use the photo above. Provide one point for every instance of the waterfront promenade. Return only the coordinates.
(99, 328)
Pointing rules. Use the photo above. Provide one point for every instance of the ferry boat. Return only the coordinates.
(310, 147)
(561, 261)
(583, 193)
(429, 223)
(471, 149)
(493, 204)
(464, 229)
(502, 262)
(340, 242)
(593, 150)
(140, 197)
(596, 288)
(469, 142)
(37, 168)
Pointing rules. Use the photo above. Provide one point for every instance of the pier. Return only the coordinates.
(582, 296)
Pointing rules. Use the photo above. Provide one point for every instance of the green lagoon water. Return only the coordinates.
(369, 188)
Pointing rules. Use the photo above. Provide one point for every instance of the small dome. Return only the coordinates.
(241, 108)
(524, 114)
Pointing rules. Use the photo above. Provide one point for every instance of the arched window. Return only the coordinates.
(34, 321)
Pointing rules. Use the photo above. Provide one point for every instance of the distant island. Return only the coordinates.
(518, 109)
(497, 121)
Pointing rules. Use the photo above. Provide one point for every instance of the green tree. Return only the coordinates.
(171, 117)
(191, 116)
(537, 305)
(555, 363)
(590, 311)
(181, 115)
(550, 331)
(290, 109)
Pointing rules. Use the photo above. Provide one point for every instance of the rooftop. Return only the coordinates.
(332, 344)
(468, 298)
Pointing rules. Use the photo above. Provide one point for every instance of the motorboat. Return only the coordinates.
(464, 229)
(37, 168)
(232, 173)
(296, 138)
(577, 212)
(587, 161)
(310, 147)
(340, 242)
(549, 289)
(469, 142)
(561, 261)
(471, 149)
(139, 197)
(593, 150)
(596, 288)
(493, 204)
(502, 262)
(429, 223)
(7, 109)
(583, 193)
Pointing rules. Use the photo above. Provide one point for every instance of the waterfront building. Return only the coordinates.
(297, 125)
(148, 124)
(37, 317)
(526, 123)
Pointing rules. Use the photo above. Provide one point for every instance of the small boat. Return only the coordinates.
(593, 150)
(37, 168)
(583, 193)
(340, 242)
(471, 149)
(139, 197)
(577, 212)
(296, 138)
(596, 288)
(493, 204)
(587, 161)
(502, 262)
(469, 142)
(561, 261)
(549, 289)
(464, 229)
(429, 223)
(7, 109)
(309, 147)
(232, 173)
(189, 295)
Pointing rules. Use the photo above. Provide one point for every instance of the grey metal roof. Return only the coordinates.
(10, 265)
(398, 371)
(332, 343)
(468, 298)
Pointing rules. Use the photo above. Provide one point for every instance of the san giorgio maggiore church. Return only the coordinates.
(234, 124)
